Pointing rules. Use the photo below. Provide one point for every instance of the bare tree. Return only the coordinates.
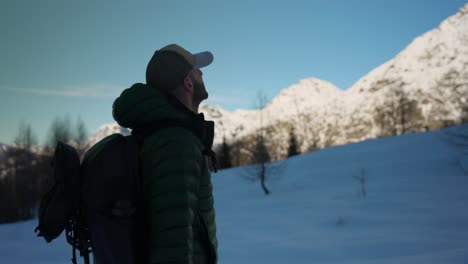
(81, 135)
(465, 111)
(260, 153)
(447, 102)
(310, 134)
(393, 114)
(361, 179)
(313, 133)
(260, 105)
(398, 109)
(260, 156)
(20, 176)
(224, 155)
(293, 147)
(60, 130)
(300, 116)
(405, 111)
(25, 138)
(236, 151)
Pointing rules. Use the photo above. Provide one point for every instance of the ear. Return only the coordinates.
(188, 84)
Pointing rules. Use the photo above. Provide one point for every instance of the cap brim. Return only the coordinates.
(203, 59)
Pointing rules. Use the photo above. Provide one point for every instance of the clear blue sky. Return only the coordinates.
(73, 58)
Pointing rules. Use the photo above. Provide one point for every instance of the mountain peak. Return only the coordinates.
(426, 60)
(312, 83)
(431, 72)
(106, 130)
(306, 94)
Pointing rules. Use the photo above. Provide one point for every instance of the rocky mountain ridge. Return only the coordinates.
(424, 87)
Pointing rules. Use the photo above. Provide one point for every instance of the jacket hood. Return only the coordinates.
(142, 106)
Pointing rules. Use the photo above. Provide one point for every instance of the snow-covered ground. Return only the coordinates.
(414, 210)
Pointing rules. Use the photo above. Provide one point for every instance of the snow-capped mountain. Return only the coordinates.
(430, 75)
(3, 148)
(106, 130)
(424, 87)
(307, 96)
(432, 70)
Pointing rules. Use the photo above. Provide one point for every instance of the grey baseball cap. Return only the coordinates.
(171, 64)
(196, 60)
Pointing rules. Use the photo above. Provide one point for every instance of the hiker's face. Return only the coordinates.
(199, 90)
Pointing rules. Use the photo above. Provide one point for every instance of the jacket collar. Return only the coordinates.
(202, 128)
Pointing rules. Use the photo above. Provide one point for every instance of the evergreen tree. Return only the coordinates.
(19, 179)
(80, 136)
(293, 148)
(25, 138)
(60, 130)
(225, 155)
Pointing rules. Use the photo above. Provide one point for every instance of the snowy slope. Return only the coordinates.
(414, 210)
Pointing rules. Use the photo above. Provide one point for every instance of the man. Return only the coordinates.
(175, 158)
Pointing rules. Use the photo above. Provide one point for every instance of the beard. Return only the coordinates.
(199, 92)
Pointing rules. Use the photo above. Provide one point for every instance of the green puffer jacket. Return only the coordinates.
(176, 178)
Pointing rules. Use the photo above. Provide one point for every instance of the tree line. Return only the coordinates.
(254, 152)
(25, 171)
(396, 113)
(25, 168)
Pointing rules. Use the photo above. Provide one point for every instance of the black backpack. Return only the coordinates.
(99, 203)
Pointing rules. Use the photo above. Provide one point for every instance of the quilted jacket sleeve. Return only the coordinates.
(172, 166)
